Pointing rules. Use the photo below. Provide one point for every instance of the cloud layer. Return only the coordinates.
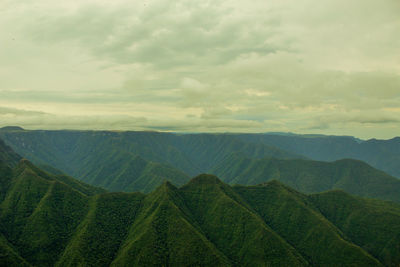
(303, 66)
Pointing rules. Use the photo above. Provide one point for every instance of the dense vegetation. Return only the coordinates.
(353, 176)
(130, 161)
(54, 220)
(381, 154)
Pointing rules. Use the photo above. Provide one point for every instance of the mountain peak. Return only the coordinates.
(168, 185)
(205, 179)
(12, 128)
(165, 187)
(273, 182)
(25, 163)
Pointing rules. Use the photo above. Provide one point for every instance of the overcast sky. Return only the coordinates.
(304, 66)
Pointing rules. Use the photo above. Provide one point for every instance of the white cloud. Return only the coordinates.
(308, 65)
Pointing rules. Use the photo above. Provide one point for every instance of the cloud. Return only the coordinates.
(308, 65)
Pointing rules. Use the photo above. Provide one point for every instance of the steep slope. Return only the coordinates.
(39, 212)
(98, 237)
(381, 154)
(164, 234)
(44, 222)
(207, 150)
(373, 225)
(123, 171)
(234, 228)
(8, 255)
(292, 216)
(52, 220)
(80, 153)
(353, 176)
(7, 155)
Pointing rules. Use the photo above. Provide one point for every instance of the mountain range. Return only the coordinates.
(55, 220)
(381, 154)
(308, 176)
(141, 161)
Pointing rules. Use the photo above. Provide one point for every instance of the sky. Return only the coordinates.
(303, 66)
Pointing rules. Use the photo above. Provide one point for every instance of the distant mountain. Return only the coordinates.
(123, 171)
(45, 222)
(11, 128)
(7, 155)
(352, 176)
(130, 161)
(381, 154)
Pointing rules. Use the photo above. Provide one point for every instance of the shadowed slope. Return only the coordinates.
(353, 176)
(8, 255)
(99, 236)
(164, 234)
(7, 155)
(381, 154)
(39, 214)
(293, 217)
(372, 224)
(233, 227)
(105, 158)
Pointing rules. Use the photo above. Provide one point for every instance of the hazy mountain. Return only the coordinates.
(381, 154)
(7, 155)
(352, 176)
(130, 161)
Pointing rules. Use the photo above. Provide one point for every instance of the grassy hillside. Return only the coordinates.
(352, 176)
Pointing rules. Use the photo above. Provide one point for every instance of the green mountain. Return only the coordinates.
(7, 155)
(353, 176)
(371, 224)
(38, 212)
(50, 219)
(204, 223)
(141, 161)
(129, 161)
(293, 216)
(123, 171)
(54, 220)
(381, 154)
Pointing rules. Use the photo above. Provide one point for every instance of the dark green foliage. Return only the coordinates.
(292, 216)
(352, 176)
(53, 220)
(372, 224)
(204, 223)
(98, 237)
(164, 234)
(40, 213)
(234, 228)
(8, 255)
